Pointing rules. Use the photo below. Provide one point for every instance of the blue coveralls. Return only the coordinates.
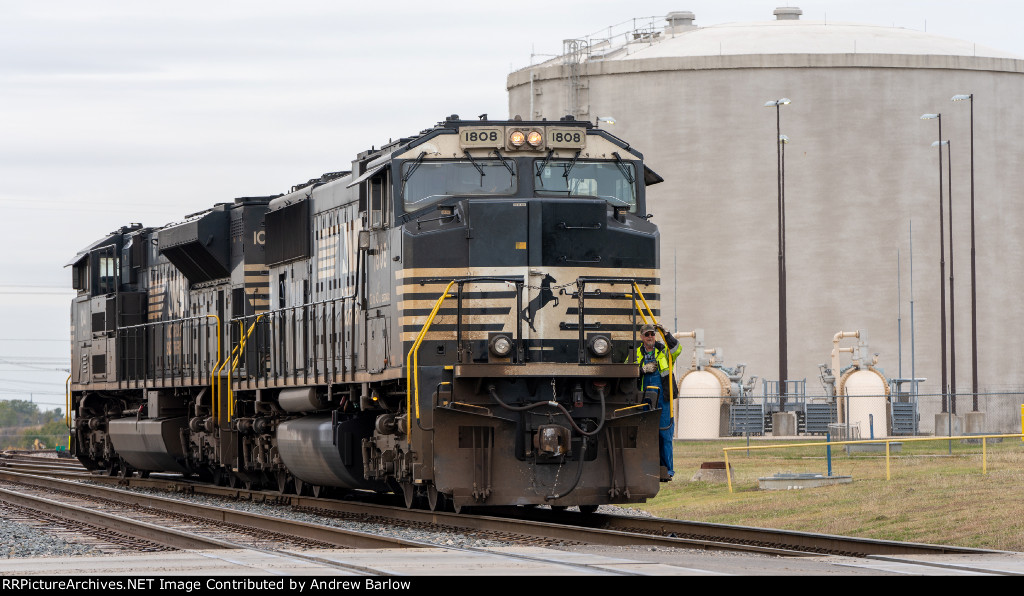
(665, 425)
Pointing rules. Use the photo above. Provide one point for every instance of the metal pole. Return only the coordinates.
(913, 372)
(942, 279)
(899, 314)
(783, 347)
(974, 293)
(828, 452)
(952, 310)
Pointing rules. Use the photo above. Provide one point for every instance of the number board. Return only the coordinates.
(567, 138)
(482, 137)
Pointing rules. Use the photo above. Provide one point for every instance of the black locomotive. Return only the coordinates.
(453, 319)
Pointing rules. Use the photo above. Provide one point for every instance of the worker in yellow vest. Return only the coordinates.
(655, 360)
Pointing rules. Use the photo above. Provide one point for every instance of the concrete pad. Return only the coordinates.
(784, 424)
(189, 562)
(800, 481)
(492, 561)
(942, 425)
(900, 567)
(713, 471)
(974, 423)
(1007, 563)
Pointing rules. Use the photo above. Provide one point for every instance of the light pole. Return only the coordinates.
(952, 292)
(780, 140)
(974, 294)
(942, 266)
(605, 119)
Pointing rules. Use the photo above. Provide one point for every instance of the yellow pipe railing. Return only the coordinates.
(241, 346)
(414, 361)
(216, 372)
(984, 451)
(671, 360)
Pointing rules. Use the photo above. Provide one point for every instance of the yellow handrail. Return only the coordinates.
(241, 346)
(413, 358)
(220, 368)
(671, 360)
(216, 372)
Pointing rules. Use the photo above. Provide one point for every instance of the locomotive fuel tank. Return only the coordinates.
(320, 452)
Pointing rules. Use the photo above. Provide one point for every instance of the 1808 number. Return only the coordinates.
(566, 138)
(483, 136)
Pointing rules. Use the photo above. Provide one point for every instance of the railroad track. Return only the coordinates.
(543, 527)
(113, 515)
(175, 523)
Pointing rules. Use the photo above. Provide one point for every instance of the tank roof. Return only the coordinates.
(791, 35)
(806, 37)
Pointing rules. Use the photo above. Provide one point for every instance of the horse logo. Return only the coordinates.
(545, 296)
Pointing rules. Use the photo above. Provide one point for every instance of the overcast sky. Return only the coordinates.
(114, 112)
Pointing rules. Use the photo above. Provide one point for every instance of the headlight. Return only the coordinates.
(501, 345)
(534, 138)
(517, 138)
(600, 346)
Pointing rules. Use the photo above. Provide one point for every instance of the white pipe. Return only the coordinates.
(835, 369)
(693, 334)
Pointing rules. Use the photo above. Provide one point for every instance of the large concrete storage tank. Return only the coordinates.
(859, 169)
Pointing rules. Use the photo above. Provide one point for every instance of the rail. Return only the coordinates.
(304, 344)
(67, 403)
(214, 386)
(172, 351)
(888, 442)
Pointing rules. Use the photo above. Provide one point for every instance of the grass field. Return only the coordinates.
(933, 496)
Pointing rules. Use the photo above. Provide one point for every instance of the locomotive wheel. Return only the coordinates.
(434, 498)
(409, 492)
(144, 474)
(285, 484)
(112, 468)
(559, 507)
(234, 481)
(588, 509)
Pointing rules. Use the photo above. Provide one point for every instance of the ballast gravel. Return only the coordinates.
(22, 540)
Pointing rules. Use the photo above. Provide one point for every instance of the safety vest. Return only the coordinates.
(660, 354)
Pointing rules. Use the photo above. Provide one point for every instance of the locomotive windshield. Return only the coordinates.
(428, 182)
(614, 182)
